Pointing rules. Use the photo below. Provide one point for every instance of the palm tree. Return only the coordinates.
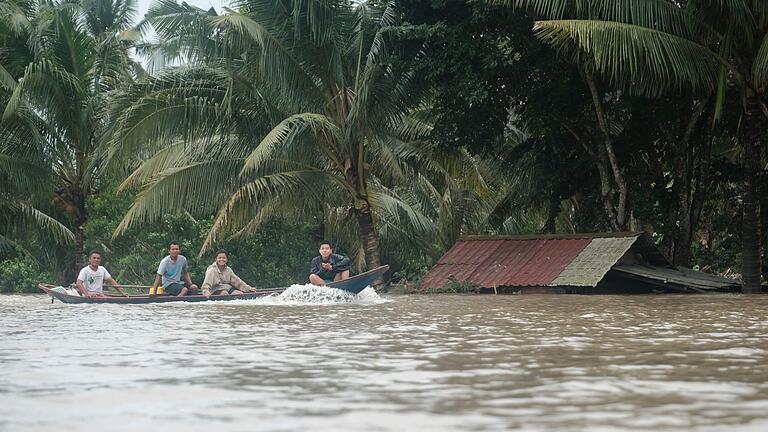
(653, 47)
(21, 198)
(282, 107)
(74, 52)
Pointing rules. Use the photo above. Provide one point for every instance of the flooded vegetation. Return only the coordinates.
(310, 359)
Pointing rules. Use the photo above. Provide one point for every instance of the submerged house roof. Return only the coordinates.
(573, 260)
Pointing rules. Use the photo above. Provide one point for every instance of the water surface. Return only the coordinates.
(398, 363)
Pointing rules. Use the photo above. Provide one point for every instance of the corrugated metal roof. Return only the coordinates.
(551, 236)
(527, 262)
(508, 261)
(591, 265)
(681, 276)
(460, 262)
(581, 260)
(475, 252)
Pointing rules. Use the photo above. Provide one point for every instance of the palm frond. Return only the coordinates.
(393, 208)
(47, 81)
(187, 103)
(252, 196)
(644, 60)
(16, 17)
(287, 132)
(195, 188)
(662, 15)
(24, 213)
(6, 79)
(277, 62)
(760, 65)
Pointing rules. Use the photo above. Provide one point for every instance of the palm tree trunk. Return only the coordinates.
(369, 237)
(72, 201)
(751, 217)
(79, 245)
(554, 209)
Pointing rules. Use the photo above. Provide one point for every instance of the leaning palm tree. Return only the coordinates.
(288, 107)
(73, 53)
(653, 47)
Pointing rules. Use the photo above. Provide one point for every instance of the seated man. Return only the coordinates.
(328, 267)
(172, 269)
(90, 281)
(221, 280)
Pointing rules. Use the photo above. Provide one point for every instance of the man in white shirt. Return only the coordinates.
(90, 281)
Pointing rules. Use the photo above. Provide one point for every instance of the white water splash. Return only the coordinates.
(316, 295)
(295, 295)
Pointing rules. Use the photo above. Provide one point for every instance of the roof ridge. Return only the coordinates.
(568, 236)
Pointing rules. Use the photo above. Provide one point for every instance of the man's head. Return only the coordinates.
(94, 258)
(221, 258)
(174, 249)
(326, 249)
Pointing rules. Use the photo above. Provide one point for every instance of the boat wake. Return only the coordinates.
(313, 295)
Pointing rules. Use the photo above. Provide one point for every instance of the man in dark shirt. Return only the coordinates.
(328, 267)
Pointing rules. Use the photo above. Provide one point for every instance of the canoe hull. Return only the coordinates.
(354, 285)
(357, 283)
(144, 299)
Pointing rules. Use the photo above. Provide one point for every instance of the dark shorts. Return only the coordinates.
(218, 291)
(328, 276)
(175, 288)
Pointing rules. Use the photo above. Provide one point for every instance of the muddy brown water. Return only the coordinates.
(391, 363)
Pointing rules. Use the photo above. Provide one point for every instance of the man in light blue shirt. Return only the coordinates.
(172, 269)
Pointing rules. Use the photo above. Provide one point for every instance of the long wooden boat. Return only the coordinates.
(357, 283)
(354, 285)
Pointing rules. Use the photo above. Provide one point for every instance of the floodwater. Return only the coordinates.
(305, 361)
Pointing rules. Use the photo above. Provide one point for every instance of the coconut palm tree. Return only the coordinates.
(653, 47)
(73, 53)
(23, 191)
(282, 107)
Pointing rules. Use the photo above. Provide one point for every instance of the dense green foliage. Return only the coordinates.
(21, 274)
(59, 62)
(585, 148)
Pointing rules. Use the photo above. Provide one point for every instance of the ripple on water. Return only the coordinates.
(312, 358)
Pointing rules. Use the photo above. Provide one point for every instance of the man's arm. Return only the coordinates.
(239, 284)
(155, 284)
(188, 280)
(81, 288)
(158, 276)
(115, 285)
(316, 266)
(343, 263)
(208, 282)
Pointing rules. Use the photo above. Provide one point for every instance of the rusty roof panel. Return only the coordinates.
(559, 236)
(528, 262)
(460, 262)
(591, 265)
(441, 274)
(505, 262)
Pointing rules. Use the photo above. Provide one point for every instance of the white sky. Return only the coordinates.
(143, 5)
